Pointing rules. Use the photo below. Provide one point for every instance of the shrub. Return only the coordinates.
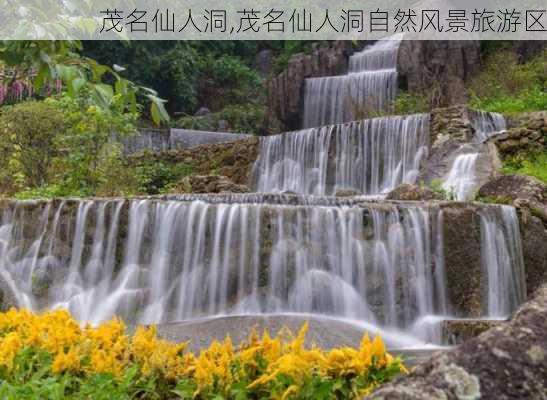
(241, 118)
(506, 86)
(51, 356)
(155, 177)
(410, 103)
(27, 134)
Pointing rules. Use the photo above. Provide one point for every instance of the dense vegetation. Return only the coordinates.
(508, 85)
(51, 356)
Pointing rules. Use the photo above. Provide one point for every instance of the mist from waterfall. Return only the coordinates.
(369, 86)
(370, 157)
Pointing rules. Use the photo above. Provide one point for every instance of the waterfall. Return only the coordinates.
(155, 261)
(161, 260)
(486, 124)
(502, 261)
(369, 86)
(461, 180)
(369, 156)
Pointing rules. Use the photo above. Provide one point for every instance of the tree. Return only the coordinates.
(46, 61)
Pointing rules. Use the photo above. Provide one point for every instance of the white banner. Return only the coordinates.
(273, 20)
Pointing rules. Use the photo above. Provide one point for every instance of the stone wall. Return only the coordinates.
(527, 131)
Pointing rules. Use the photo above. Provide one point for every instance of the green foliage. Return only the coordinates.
(409, 103)
(495, 200)
(506, 86)
(27, 134)
(436, 185)
(64, 147)
(188, 74)
(241, 118)
(155, 177)
(46, 61)
(527, 163)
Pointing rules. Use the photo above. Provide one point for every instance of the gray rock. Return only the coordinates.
(347, 193)
(506, 362)
(285, 91)
(408, 192)
(439, 68)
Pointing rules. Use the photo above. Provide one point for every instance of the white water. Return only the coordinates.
(487, 124)
(157, 261)
(369, 86)
(183, 260)
(461, 180)
(369, 156)
(503, 265)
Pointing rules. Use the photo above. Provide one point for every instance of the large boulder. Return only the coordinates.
(508, 361)
(408, 192)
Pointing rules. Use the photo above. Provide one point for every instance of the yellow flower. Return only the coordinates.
(9, 347)
(69, 361)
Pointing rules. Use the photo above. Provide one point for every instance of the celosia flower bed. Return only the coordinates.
(50, 356)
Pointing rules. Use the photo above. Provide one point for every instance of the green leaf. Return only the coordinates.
(157, 110)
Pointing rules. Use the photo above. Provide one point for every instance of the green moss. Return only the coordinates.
(527, 163)
(495, 200)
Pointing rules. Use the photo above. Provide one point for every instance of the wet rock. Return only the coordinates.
(462, 252)
(506, 362)
(522, 191)
(209, 184)
(347, 193)
(460, 330)
(7, 297)
(408, 192)
(534, 250)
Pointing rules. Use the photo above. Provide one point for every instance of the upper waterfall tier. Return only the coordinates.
(157, 261)
(486, 124)
(370, 85)
(369, 156)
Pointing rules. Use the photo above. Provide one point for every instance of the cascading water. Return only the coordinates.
(502, 260)
(369, 156)
(461, 180)
(370, 85)
(168, 260)
(487, 124)
(181, 260)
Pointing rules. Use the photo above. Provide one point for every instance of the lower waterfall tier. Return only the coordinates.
(150, 260)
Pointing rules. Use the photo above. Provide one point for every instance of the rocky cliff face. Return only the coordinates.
(285, 91)
(439, 69)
